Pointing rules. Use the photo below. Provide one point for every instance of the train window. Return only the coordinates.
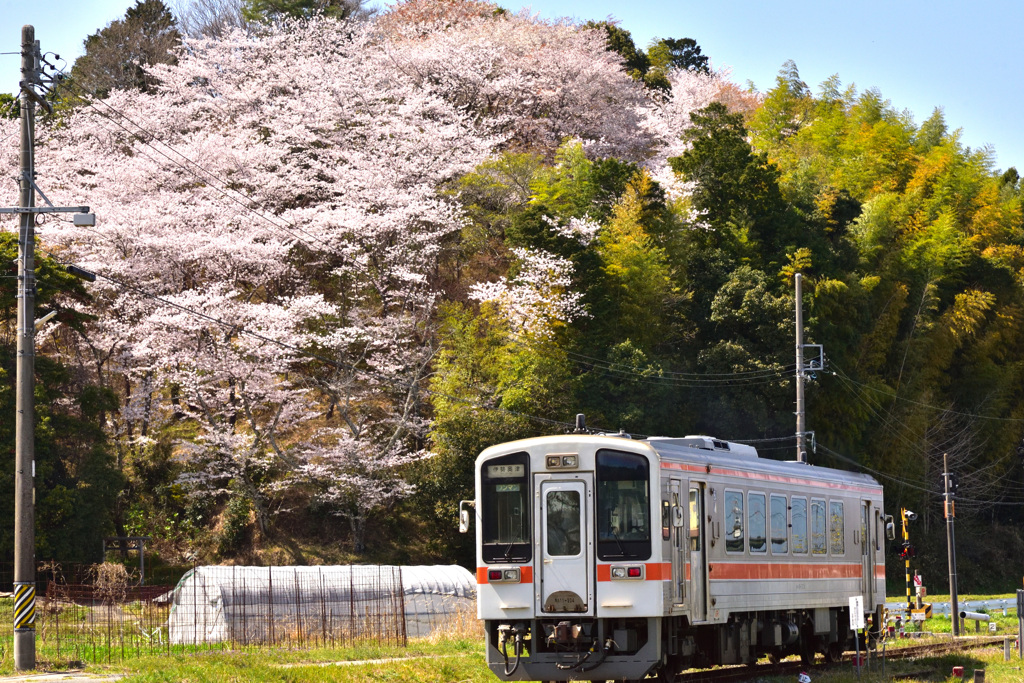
(695, 515)
(505, 494)
(799, 529)
(779, 526)
(624, 506)
(563, 514)
(837, 528)
(733, 522)
(819, 543)
(757, 523)
(666, 520)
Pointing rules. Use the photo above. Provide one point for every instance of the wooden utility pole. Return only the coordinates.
(24, 422)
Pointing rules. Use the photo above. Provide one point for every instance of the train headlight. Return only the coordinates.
(618, 572)
(512, 575)
(568, 461)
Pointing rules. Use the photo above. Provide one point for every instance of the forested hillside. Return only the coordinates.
(340, 256)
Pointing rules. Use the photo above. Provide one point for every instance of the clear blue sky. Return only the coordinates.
(962, 56)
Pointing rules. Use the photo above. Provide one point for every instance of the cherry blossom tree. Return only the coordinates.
(285, 186)
(669, 118)
(535, 81)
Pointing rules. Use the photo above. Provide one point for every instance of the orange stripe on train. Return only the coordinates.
(724, 571)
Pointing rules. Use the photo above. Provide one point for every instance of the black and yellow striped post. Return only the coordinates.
(907, 552)
(24, 607)
(906, 556)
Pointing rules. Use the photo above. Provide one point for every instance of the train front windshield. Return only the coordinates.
(624, 506)
(505, 494)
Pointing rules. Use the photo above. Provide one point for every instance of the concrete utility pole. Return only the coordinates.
(950, 511)
(24, 423)
(801, 426)
(33, 78)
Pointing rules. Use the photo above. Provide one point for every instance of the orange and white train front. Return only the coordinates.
(571, 579)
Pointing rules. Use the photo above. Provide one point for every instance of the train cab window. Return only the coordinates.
(733, 522)
(798, 515)
(666, 520)
(819, 541)
(779, 525)
(837, 528)
(505, 494)
(757, 523)
(563, 515)
(623, 505)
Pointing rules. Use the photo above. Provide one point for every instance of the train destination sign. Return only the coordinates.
(497, 471)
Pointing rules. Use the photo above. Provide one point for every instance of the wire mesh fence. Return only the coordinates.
(97, 620)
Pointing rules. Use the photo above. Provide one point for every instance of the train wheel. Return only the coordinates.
(834, 652)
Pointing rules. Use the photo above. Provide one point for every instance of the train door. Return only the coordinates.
(563, 514)
(698, 553)
(679, 543)
(867, 555)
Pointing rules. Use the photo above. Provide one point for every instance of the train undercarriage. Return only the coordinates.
(630, 649)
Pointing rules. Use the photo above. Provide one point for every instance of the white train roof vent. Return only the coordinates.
(709, 443)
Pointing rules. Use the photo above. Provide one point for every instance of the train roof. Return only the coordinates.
(702, 450)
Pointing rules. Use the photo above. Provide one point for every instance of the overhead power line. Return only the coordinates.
(892, 395)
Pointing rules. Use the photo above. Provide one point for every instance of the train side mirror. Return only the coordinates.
(677, 516)
(890, 528)
(464, 506)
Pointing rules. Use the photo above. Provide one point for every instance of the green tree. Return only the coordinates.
(9, 108)
(621, 41)
(117, 56)
(665, 54)
(273, 10)
(748, 329)
(783, 112)
(652, 67)
(736, 189)
(76, 481)
(636, 268)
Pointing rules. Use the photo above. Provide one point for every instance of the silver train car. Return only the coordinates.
(603, 557)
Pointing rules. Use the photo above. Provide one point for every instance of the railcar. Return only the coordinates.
(605, 557)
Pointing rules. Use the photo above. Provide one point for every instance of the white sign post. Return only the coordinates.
(857, 623)
(857, 612)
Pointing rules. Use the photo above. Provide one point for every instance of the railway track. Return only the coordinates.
(739, 674)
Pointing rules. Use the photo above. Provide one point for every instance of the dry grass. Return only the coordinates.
(461, 624)
(111, 582)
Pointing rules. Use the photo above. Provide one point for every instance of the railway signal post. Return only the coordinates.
(906, 552)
